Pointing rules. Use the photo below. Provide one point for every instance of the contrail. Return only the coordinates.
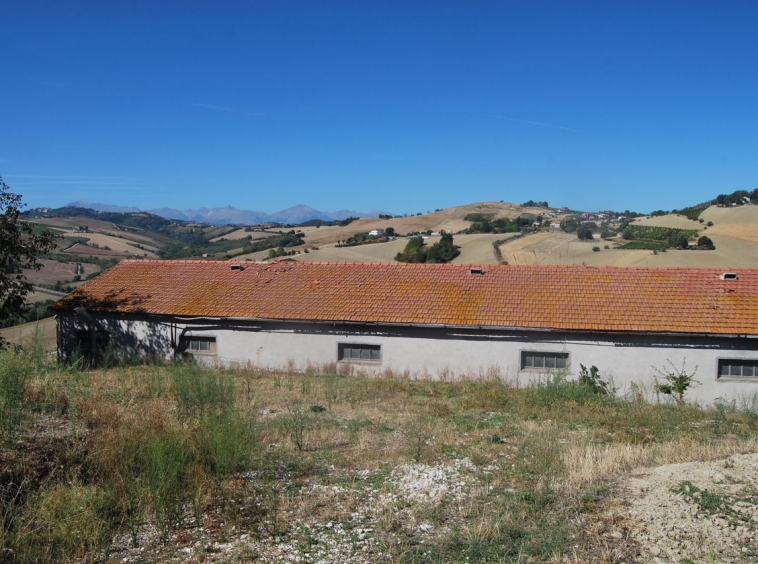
(527, 121)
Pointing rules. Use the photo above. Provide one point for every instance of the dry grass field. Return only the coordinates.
(735, 234)
(116, 244)
(44, 331)
(450, 220)
(104, 227)
(53, 271)
(178, 464)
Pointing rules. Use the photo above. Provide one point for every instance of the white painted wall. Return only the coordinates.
(444, 354)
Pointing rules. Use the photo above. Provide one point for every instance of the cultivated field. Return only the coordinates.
(43, 331)
(734, 233)
(116, 244)
(178, 464)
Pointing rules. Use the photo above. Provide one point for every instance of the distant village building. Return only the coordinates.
(424, 320)
(376, 233)
(555, 224)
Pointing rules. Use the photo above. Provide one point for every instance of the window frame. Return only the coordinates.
(189, 341)
(735, 362)
(545, 357)
(368, 353)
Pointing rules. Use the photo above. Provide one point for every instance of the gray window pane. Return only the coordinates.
(549, 362)
(365, 354)
(375, 354)
(529, 361)
(724, 369)
(204, 345)
(539, 361)
(748, 370)
(560, 362)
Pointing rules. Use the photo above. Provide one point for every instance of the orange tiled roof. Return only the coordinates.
(685, 300)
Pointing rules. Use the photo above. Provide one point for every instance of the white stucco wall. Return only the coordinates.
(445, 354)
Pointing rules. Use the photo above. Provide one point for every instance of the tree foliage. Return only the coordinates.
(569, 224)
(706, 243)
(442, 251)
(584, 232)
(19, 249)
(483, 223)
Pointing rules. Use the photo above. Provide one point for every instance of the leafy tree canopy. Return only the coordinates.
(442, 251)
(19, 247)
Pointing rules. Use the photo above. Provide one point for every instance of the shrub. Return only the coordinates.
(295, 424)
(597, 249)
(226, 444)
(591, 380)
(199, 392)
(165, 461)
(677, 381)
(15, 369)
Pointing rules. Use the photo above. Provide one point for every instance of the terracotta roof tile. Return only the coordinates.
(548, 297)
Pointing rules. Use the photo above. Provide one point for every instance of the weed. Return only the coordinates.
(591, 379)
(165, 461)
(199, 392)
(15, 371)
(64, 522)
(678, 381)
(226, 444)
(418, 433)
(295, 424)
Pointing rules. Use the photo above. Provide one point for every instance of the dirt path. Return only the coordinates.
(695, 512)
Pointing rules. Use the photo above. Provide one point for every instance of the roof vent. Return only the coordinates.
(729, 276)
(477, 271)
(236, 267)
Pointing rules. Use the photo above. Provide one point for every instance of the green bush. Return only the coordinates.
(676, 381)
(200, 392)
(226, 444)
(15, 370)
(165, 462)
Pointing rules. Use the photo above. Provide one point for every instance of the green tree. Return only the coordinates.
(569, 224)
(679, 242)
(413, 251)
(19, 248)
(706, 243)
(444, 250)
(584, 232)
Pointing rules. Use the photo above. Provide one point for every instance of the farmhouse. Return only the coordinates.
(427, 320)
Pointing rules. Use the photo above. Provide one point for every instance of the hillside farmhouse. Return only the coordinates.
(435, 321)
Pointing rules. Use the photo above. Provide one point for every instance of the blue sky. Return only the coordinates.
(395, 106)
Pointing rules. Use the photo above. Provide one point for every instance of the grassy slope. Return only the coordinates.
(44, 330)
(381, 470)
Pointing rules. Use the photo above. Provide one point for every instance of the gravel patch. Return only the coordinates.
(701, 511)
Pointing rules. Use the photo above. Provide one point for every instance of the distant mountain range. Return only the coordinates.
(230, 215)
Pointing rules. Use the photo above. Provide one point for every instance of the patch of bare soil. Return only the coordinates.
(694, 512)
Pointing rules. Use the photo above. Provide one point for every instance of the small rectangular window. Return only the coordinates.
(738, 368)
(548, 360)
(200, 345)
(353, 352)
